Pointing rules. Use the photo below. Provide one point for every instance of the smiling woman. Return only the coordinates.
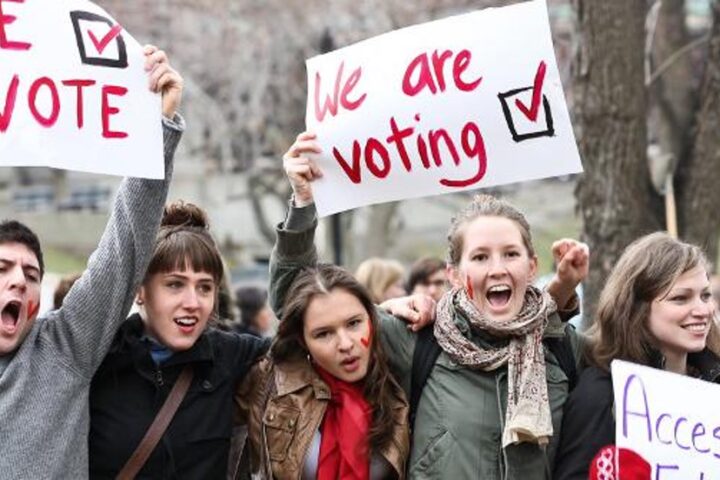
(656, 310)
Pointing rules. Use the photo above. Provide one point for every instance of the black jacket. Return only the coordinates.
(588, 419)
(129, 389)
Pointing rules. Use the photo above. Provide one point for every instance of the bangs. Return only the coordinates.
(182, 250)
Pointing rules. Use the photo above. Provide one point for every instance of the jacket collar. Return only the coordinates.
(130, 340)
(704, 364)
(294, 375)
(707, 364)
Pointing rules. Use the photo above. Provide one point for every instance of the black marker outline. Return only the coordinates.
(548, 132)
(121, 62)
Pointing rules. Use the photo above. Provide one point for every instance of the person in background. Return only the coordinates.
(62, 289)
(46, 362)
(428, 276)
(657, 310)
(382, 277)
(256, 318)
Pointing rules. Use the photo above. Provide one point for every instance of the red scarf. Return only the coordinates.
(345, 431)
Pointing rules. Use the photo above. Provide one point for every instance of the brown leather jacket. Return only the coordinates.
(283, 416)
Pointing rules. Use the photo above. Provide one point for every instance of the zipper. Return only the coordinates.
(159, 377)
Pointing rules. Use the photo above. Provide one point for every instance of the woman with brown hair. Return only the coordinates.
(656, 310)
(324, 405)
(169, 336)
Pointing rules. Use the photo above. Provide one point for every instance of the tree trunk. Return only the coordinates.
(615, 197)
(672, 94)
(698, 180)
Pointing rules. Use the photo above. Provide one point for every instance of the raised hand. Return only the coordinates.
(300, 169)
(572, 260)
(163, 79)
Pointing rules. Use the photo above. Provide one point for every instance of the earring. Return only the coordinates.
(139, 301)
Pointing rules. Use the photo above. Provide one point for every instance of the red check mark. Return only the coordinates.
(532, 112)
(105, 40)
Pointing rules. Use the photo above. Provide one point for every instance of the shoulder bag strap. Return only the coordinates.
(158, 426)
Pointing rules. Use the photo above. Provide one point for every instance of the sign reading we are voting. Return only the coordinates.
(670, 420)
(74, 93)
(462, 103)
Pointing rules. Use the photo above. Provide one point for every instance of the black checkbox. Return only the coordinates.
(525, 130)
(121, 61)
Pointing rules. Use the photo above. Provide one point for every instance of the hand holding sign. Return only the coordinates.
(163, 79)
(301, 169)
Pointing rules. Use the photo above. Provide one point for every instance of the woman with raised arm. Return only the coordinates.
(494, 388)
(656, 310)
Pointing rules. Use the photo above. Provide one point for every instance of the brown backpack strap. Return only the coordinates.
(158, 426)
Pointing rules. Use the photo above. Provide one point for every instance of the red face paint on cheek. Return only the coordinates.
(469, 287)
(33, 309)
(366, 341)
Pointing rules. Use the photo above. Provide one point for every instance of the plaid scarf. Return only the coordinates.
(528, 417)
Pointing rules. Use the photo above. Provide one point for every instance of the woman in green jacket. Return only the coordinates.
(491, 407)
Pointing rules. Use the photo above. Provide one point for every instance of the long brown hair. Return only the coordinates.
(647, 268)
(379, 385)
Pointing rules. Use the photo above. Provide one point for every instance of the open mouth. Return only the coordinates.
(350, 364)
(498, 295)
(186, 322)
(11, 313)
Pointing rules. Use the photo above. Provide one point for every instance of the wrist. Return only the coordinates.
(300, 201)
(560, 292)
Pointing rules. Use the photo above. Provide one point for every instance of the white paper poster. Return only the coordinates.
(74, 93)
(671, 420)
(462, 103)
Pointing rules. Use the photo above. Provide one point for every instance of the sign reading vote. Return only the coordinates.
(670, 420)
(462, 103)
(73, 91)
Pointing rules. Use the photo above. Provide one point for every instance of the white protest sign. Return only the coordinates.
(462, 103)
(74, 93)
(670, 420)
